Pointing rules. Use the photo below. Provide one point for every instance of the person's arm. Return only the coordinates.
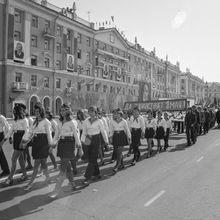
(76, 135)
(84, 131)
(127, 130)
(48, 132)
(103, 131)
(5, 124)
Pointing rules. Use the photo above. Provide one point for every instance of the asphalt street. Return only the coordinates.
(180, 184)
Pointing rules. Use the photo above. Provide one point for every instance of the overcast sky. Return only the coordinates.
(187, 30)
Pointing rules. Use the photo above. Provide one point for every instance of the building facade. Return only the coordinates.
(212, 93)
(50, 55)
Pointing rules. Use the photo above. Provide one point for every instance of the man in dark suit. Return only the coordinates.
(19, 51)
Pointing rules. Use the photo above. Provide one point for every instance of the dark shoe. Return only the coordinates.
(115, 170)
(133, 163)
(29, 167)
(86, 182)
(4, 174)
(102, 163)
(28, 187)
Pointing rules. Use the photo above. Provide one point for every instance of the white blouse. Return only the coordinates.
(137, 122)
(44, 127)
(150, 123)
(4, 126)
(54, 125)
(94, 128)
(168, 124)
(80, 124)
(161, 123)
(19, 125)
(68, 128)
(119, 126)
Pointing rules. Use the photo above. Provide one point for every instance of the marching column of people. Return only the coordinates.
(86, 137)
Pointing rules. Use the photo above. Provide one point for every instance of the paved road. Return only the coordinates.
(181, 184)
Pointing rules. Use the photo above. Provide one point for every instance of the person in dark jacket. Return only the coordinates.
(198, 120)
(190, 122)
(218, 117)
(207, 120)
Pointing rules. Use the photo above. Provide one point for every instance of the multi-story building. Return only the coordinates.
(212, 92)
(192, 87)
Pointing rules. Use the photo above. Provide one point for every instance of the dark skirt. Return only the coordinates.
(66, 148)
(119, 139)
(149, 133)
(135, 137)
(17, 137)
(160, 132)
(40, 148)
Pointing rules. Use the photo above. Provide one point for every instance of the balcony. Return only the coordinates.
(48, 33)
(115, 56)
(19, 86)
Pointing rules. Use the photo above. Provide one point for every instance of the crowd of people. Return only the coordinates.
(87, 137)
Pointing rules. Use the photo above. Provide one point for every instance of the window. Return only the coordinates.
(58, 47)
(47, 24)
(34, 80)
(58, 83)
(17, 35)
(34, 41)
(79, 87)
(47, 62)
(112, 38)
(46, 44)
(46, 82)
(17, 15)
(68, 83)
(104, 47)
(112, 49)
(88, 87)
(18, 77)
(104, 88)
(68, 35)
(117, 51)
(79, 54)
(96, 60)
(88, 56)
(58, 30)
(68, 50)
(79, 38)
(34, 21)
(97, 87)
(96, 43)
(88, 41)
(58, 64)
(34, 60)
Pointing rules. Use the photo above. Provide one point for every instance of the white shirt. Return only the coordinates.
(161, 123)
(150, 123)
(105, 123)
(53, 125)
(80, 124)
(119, 126)
(44, 127)
(168, 124)
(4, 126)
(69, 128)
(137, 123)
(19, 125)
(94, 128)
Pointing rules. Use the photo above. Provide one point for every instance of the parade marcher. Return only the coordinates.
(190, 121)
(150, 128)
(41, 136)
(160, 130)
(168, 129)
(67, 137)
(18, 129)
(198, 121)
(4, 129)
(136, 124)
(218, 117)
(27, 156)
(207, 121)
(120, 136)
(127, 115)
(202, 120)
(54, 128)
(92, 129)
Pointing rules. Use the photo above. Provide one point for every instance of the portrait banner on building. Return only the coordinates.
(19, 51)
(70, 62)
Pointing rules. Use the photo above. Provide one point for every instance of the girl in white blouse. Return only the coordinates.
(41, 134)
(67, 137)
(160, 130)
(150, 125)
(120, 136)
(92, 129)
(18, 129)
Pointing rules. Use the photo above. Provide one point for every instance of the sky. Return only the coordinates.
(188, 31)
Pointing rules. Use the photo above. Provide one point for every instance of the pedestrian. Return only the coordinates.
(150, 128)
(120, 136)
(190, 121)
(168, 129)
(54, 128)
(218, 117)
(160, 130)
(67, 137)
(41, 135)
(27, 156)
(19, 128)
(207, 120)
(4, 129)
(198, 120)
(93, 126)
(137, 128)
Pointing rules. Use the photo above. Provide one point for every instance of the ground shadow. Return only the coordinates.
(179, 147)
